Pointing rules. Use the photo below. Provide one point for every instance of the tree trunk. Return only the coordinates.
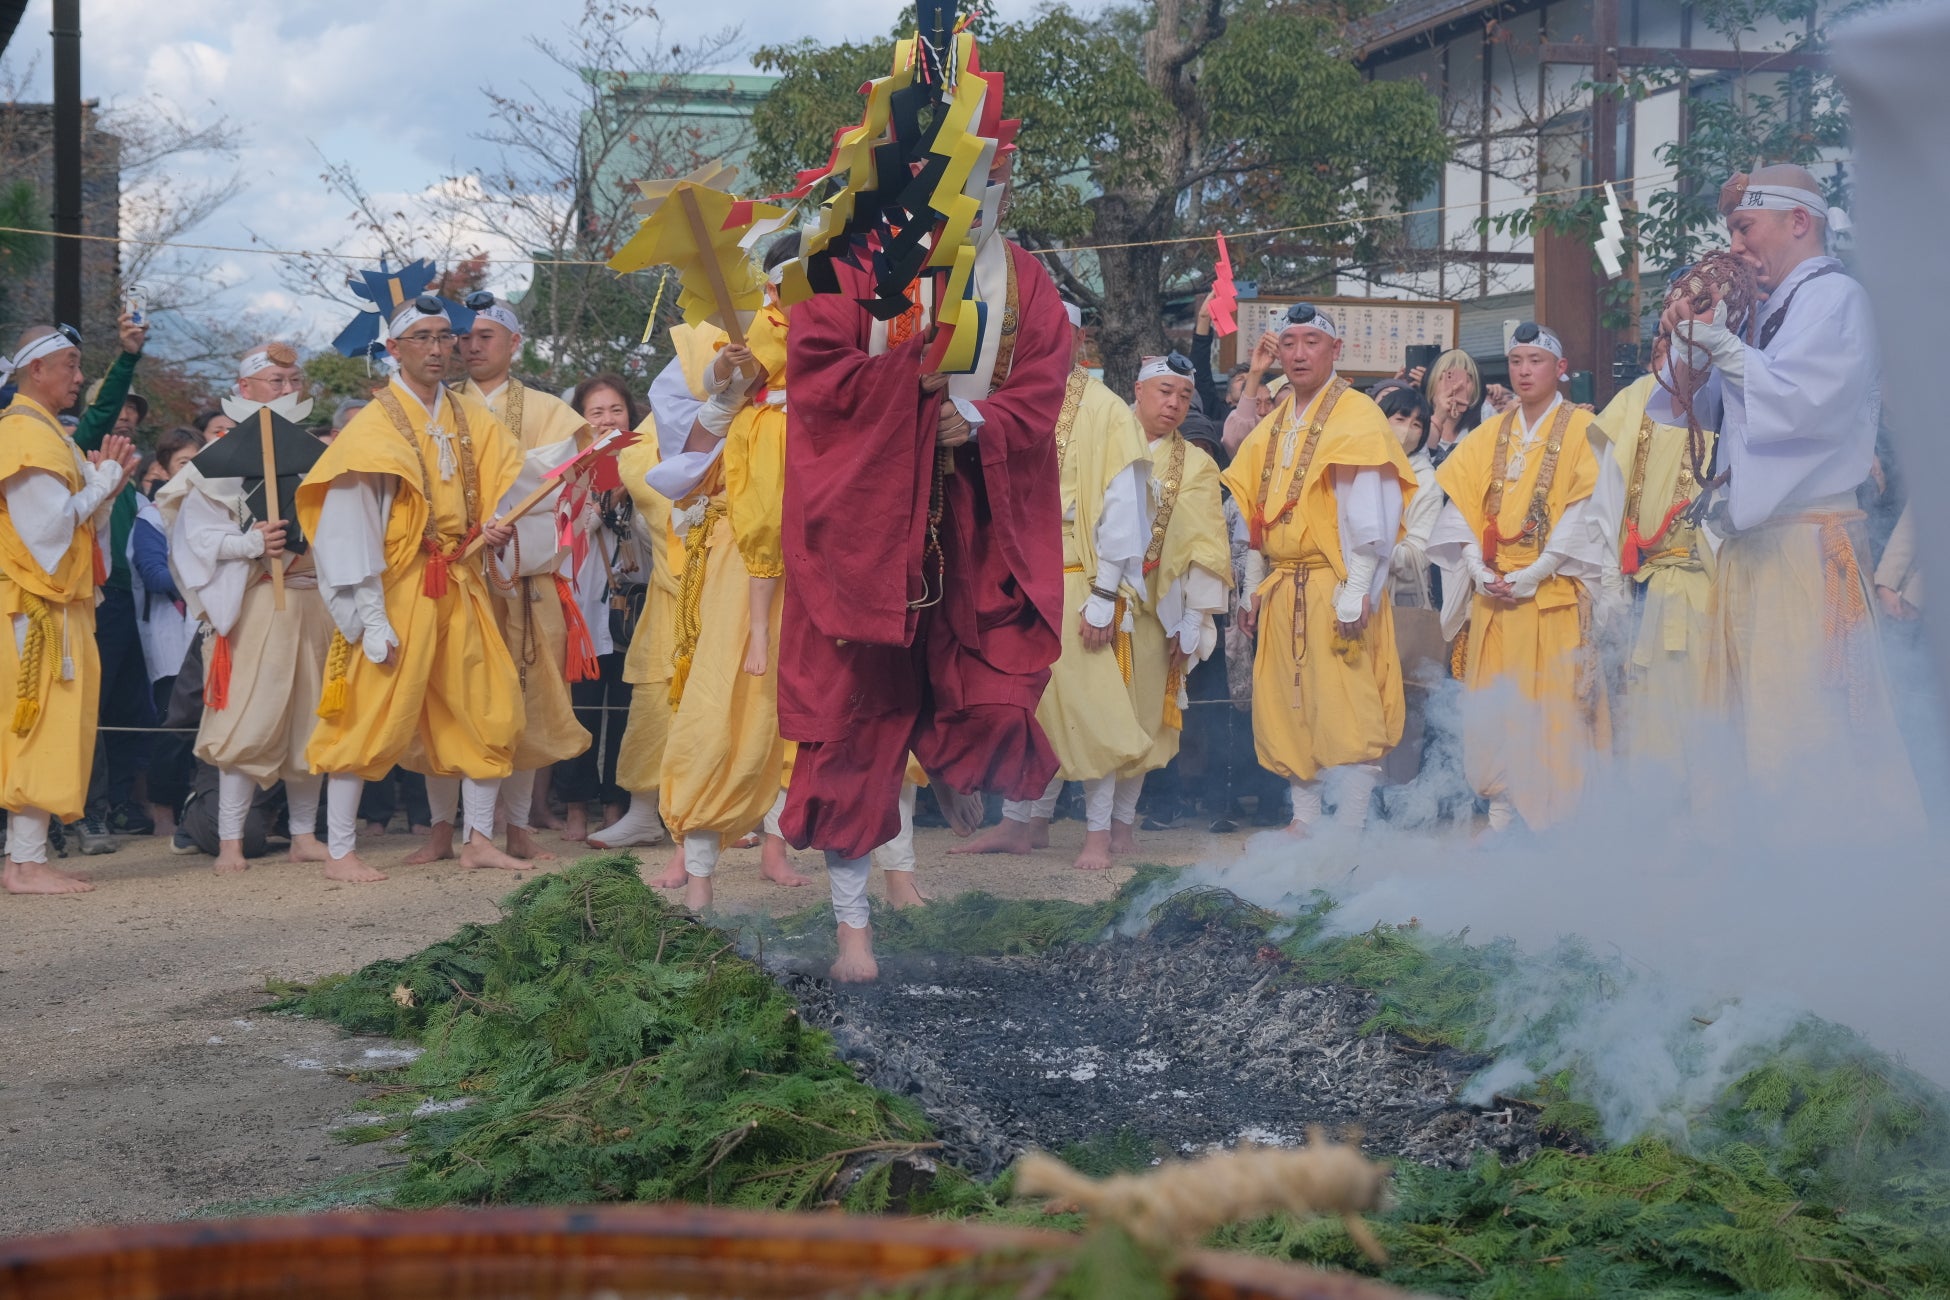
(1131, 322)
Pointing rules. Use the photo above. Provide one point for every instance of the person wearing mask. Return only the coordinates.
(1323, 482)
(1453, 389)
(166, 629)
(56, 501)
(418, 673)
(1523, 551)
(1410, 417)
(535, 605)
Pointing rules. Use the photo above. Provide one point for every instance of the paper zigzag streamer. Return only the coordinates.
(1225, 294)
(712, 248)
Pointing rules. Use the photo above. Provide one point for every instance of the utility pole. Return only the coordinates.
(67, 161)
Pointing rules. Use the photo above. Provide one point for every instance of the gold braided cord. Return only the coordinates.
(1125, 663)
(33, 656)
(512, 416)
(1066, 418)
(1536, 520)
(470, 478)
(690, 599)
(1168, 499)
(1260, 522)
(1174, 682)
(338, 662)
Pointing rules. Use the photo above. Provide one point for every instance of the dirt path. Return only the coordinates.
(139, 1082)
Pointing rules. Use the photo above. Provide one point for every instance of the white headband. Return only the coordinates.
(1785, 198)
(410, 315)
(254, 362)
(45, 346)
(501, 316)
(1321, 321)
(1156, 367)
(1546, 339)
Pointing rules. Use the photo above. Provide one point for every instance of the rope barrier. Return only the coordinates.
(1266, 232)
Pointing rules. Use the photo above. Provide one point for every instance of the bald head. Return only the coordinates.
(31, 333)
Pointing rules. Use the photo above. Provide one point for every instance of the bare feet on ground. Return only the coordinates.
(697, 893)
(351, 870)
(674, 874)
(479, 852)
(775, 864)
(440, 844)
(902, 892)
(523, 844)
(306, 848)
(575, 827)
(375, 828)
(1123, 839)
(1096, 852)
(1004, 837)
(855, 964)
(230, 858)
(964, 812)
(39, 878)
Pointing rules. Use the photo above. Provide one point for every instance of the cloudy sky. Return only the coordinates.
(394, 89)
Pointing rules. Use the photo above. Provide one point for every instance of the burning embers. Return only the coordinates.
(1182, 1040)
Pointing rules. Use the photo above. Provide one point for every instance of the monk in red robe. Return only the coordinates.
(924, 565)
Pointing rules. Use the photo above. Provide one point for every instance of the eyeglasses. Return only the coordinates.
(1301, 313)
(443, 339)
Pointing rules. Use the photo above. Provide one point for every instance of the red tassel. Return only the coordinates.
(582, 650)
(435, 585)
(216, 684)
(1490, 539)
(1634, 553)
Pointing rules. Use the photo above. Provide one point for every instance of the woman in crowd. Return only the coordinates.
(609, 580)
(1454, 391)
(161, 622)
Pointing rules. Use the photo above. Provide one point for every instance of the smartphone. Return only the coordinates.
(133, 306)
(1423, 355)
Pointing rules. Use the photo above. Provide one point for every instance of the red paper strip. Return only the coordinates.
(1225, 294)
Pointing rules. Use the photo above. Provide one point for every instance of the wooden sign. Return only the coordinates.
(1375, 332)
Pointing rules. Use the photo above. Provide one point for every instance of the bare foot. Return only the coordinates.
(963, 811)
(165, 819)
(542, 818)
(674, 875)
(1004, 837)
(479, 852)
(1096, 852)
(1038, 834)
(421, 831)
(350, 870)
(576, 828)
(440, 844)
(747, 842)
(1123, 839)
(230, 858)
(775, 864)
(39, 878)
(523, 844)
(855, 964)
(306, 848)
(902, 892)
(375, 828)
(697, 893)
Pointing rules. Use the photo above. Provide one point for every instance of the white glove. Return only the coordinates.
(1098, 612)
(241, 546)
(1479, 572)
(378, 637)
(1716, 345)
(1348, 595)
(1525, 581)
(1255, 573)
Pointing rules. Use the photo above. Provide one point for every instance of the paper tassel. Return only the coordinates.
(582, 665)
(216, 683)
(1225, 294)
(435, 585)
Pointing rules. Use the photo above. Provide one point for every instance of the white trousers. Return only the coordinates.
(475, 800)
(773, 814)
(846, 878)
(27, 835)
(1356, 782)
(1039, 810)
(342, 814)
(701, 850)
(897, 854)
(518, 797)
(1503, 813)
(236, 790)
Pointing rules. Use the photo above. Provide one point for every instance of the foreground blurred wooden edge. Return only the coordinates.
(558, 1254)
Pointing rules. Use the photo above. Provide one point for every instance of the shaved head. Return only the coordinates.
(31, 333)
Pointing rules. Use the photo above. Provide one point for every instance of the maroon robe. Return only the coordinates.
(866, 671)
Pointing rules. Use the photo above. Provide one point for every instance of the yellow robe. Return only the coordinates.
(1319, 700)
(450, 704)
(724, 755)
(1195, 538)
(47, 767)
(531, 617)
(1088, 711)
(1536, 709)
(1666, 668)
(647, 663)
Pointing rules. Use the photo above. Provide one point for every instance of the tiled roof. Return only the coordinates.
(1409, 17)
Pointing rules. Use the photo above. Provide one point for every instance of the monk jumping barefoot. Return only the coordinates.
(674, 874)
(855, 964)
(305, 848)
(439, 845)
(39, 878)
(1123, 839)
(479, 852)
(351, 870)
(903, 893)
(523, 844)
(775, 864)
(1007, 836)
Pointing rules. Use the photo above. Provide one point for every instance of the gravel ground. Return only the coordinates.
(137, 1081)
(1187, 1040)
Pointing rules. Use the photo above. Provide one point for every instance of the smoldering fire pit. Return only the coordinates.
(1190, 1036)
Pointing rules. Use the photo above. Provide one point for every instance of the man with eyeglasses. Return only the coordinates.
(536, 601)
(1090, 709)
(1322, 481)
(268, 372)
(418, 674)
(1523, 548)
(57, 501)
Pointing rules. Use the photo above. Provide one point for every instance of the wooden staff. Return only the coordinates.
(714, 273)
(271, 500)
(530, 501)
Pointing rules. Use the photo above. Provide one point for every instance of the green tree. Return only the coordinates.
(1147, 124)
(21, 254)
